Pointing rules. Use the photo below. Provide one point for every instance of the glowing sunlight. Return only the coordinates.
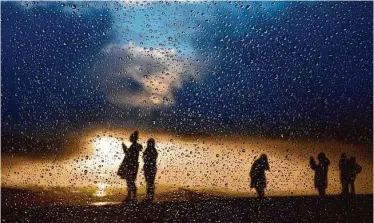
(101, 189)
(107, 149)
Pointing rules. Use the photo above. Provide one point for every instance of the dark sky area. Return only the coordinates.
(301, 70)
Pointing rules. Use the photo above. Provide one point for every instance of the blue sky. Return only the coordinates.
(297, 69)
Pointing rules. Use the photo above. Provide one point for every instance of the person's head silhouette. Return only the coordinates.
(264, 158)
(343, 156)
(134, 137)
(352, 159)
(151, 143)
(321, 157)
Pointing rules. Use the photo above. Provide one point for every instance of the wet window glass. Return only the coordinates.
(208, 111)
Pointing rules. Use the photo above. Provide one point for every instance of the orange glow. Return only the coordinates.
(218, 164)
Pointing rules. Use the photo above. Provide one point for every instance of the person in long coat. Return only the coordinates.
(128, 169)
(344, 173)
(320, 176)
(150, 168)
(257, 174)
(354, 169)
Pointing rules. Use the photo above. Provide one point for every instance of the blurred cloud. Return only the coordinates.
(133, 76)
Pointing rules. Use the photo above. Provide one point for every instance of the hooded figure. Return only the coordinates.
(354, 169)
(128, 169)
(150, 168)
(344, 173)
(257, 174)
(320, 176)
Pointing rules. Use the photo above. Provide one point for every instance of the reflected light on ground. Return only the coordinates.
(101, 189)
(103, 203)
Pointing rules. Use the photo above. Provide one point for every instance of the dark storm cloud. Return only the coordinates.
(291, 69)
(46, 53)
(304, 69)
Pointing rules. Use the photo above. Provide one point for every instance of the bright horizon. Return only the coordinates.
(218, 164)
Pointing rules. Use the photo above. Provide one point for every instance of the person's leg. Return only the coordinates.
(321, 192)
(133, 190)
(134, 184)
(128, 197)
(257, 191)
(260, 192)
(353, 191)
(131, 187)
(263, 193)
(148, 187)
(345, 187)
(348, 187)
(152, 188)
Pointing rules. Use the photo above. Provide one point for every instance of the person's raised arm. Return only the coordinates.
(124, 147)
(312, 162)
(267, 164)
(359, 168)
(341, 165)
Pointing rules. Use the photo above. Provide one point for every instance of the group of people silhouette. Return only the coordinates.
(128, 170)
(348, 172)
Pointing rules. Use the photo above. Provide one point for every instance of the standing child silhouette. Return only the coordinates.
(150, 168)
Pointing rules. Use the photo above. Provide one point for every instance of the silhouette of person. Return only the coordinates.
(354, 169)
(122, 168)
(257, 174)
(344, 173)
(150, 168)
(320, 176)
(128, 169)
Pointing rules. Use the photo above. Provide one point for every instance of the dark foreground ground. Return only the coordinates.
(275, 209)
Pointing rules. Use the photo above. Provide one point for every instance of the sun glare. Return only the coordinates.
(107, 149)
(101, 189)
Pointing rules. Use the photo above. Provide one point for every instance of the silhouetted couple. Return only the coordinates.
(348, 172)
(257, 174)
(128, 169)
